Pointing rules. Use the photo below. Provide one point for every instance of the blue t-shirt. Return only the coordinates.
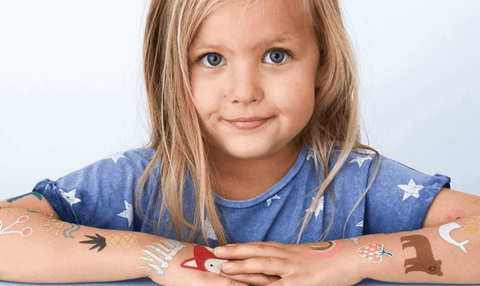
(102, 195)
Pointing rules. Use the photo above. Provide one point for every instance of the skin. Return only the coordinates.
(249, 84)
(43, 257)
(295, 267)
(243, 87)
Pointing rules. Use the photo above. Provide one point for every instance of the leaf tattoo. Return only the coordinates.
(98, 241)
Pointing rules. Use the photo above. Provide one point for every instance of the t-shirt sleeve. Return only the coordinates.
(100, 195)
(399, 197)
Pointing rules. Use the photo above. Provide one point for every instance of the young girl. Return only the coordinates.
(254, 145)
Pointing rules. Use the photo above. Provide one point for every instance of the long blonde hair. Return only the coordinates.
(175, 130)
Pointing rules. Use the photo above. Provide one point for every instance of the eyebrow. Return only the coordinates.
(284, 38)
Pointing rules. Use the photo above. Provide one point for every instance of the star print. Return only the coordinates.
(269, 201)
(70, 196)
(411, 189)
(319, 206)
(310, 155)
(127, 213)
(115, 157)
(360, 160)
(210, 232)
(360, 224)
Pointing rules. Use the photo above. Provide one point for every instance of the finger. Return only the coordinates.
(207, 279)
(287, 281)
(244, 251)
(271, 266)
(252, 279)
(272, 243)
(224, 281)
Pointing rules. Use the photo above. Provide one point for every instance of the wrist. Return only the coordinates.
(160, 258)
(374, 253)
(353, 260)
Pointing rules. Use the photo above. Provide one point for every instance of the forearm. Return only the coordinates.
(434, 254)
(39, 248)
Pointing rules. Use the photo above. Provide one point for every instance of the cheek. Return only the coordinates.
(298, 101)
(203, 97)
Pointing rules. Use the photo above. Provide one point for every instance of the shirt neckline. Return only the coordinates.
(270, 192)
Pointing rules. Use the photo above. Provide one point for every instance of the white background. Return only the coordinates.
(71, 90)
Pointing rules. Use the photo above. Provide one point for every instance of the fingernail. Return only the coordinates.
(226, 267)
(220, 250)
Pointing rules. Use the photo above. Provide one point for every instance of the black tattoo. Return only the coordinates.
(98, 241)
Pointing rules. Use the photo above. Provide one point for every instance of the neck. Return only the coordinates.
(243, 179)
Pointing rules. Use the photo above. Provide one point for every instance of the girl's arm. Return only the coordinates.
(445, 250)
(35, 246)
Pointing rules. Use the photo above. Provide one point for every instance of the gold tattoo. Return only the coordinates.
(53, 224)
(470, 225)
(121, 240)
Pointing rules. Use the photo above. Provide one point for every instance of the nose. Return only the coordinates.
(245, 85)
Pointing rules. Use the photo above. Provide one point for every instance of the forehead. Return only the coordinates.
(254, 22)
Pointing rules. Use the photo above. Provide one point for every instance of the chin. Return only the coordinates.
(252, 151)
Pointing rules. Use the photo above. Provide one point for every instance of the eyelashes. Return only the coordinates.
(274, 56)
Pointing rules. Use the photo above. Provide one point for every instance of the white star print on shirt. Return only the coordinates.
(309, 155)
(411, 189)
(127, 213)
(70, 196)
(210, 232)
(360, 160)
(360, 224)
(115, 157)
(269, 201)
(319, 206)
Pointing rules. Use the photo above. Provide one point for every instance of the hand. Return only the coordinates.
(294, 264)
(193, 265)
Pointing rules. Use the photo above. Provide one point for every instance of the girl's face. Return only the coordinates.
(253, 72)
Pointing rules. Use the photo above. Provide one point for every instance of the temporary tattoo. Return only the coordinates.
(98, 241)
(30, 211)
(25, 232)
(157, 255)
(424, 261)
(68, 231)
(204, 260)
(373, 252)
(354, 239)
(454, 215)
(121, 240)
(445, 230)
(470, 225)
(39, 197)
(53, 224)
(325, 249)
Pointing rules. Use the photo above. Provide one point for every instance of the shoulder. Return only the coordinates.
(399, 196)
(131, 161)
(105, 187)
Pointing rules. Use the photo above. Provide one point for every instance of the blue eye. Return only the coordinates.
(213, 60)
(276, 57)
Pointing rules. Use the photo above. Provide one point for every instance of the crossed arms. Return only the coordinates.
(37, 247)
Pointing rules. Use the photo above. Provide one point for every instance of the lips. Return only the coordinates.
(249, 123)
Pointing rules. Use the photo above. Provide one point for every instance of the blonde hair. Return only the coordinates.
(175, 130)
